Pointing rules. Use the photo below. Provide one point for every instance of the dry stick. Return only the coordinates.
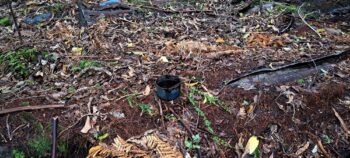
(342, 123)
(187, 128)
(304, 21)
(26, 108)
(15, 21)
(161, 111)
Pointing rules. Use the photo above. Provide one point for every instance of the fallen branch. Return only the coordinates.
(304, 21)
(30, 108)
(342, 123)
(317, 61)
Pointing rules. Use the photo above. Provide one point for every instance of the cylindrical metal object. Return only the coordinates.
(54, 137)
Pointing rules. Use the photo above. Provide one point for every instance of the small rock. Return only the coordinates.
(334, 31)
(118, 114)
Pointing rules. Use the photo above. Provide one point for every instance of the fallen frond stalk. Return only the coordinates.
(27, 108)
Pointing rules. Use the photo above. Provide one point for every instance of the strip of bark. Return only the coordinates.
(30, 108)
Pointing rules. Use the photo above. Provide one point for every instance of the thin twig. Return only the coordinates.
(3, 137)
(15, 21)
(304, 21)
(27, 108)
(342, 123)
(8, 127)
(161, 111)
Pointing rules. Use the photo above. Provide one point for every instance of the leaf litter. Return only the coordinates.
(207, 44)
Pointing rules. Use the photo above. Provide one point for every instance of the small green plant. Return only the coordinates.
(25, 103)
(170, 117)
(257, 153)
(210, 99)
(301, 81)
(5, 21)
(145, 108)
(19, 62)
(57, 7)
(18, 154)
(326, 139)
(208, 124)
(83, 64)
(71, 90)
(40, 145)
(99, 136)
(290, 8)
(194, 143)
(131, 100)
(62, 148)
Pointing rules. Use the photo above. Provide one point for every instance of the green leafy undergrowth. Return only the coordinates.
(21, 63)
(40, 146)
(18, 154)
(207, 123)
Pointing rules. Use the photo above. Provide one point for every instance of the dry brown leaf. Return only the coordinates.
(62, 31)
(241, 113)
(250, 109)
(265, 40)
(194, 47)
(87, 125)
(302, 149)
(147, 90)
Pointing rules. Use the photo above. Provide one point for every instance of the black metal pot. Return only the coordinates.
(168, 87)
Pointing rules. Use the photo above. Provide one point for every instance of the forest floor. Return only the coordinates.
(97, 76)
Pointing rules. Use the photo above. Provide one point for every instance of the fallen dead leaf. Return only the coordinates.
(241, 113)
(87, 125)
(302, 149)
(252, 145)
(163, 59)
(147, 90)
(220, 40)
